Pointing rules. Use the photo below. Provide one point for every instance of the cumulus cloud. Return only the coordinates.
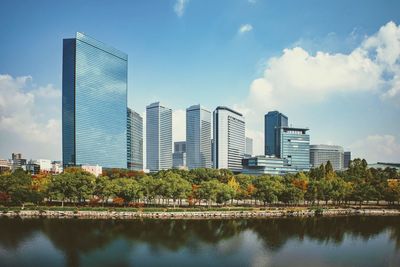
(298, 77)
(245, 28)
(179, 7)
(377, 147)
(29, 118)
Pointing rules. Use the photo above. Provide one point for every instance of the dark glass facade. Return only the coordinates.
(273, 120)
(94, 103)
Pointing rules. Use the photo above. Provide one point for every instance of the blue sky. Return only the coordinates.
(316, 61)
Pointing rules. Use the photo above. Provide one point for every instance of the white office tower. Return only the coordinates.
(158, 137)
(198, 136)
(229, 139)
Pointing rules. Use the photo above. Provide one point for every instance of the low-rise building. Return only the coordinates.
(5, 165)
(271, 165)
(95, 170)
(321, 154)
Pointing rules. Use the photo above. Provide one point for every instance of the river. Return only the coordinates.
(320, 241)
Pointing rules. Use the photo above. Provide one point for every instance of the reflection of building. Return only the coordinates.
(271, 165)
(135, 141)
(95, 170)
(321, 154)
(295, 147)
(158, 137)
(229, 139)
(179, 155)
(346, 159)
(94, 103)
(198, 136)
(273, 121)
(17, 161)
(249, 147)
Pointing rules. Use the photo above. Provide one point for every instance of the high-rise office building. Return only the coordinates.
(295, 147)
(158, 137)
(198, 136)
(229, 139)
(135, 141)
(249, 147)
(179, 155)
(273, 121)
(94, 103)
(346, 159)
(321, 154)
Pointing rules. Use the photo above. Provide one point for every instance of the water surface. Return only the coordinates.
(336, 241)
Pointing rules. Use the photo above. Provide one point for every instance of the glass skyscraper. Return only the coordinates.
(295, 147)
(135, 141)
(158, 137)
(273, 120)
(229, 139)
(94, 103)
(198, 137)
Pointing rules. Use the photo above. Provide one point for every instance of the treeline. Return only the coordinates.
(321, 185)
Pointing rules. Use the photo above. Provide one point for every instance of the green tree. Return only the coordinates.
(127, 189)
(268, 189)
(209, 190)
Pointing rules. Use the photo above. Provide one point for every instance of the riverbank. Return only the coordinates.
(223, 214)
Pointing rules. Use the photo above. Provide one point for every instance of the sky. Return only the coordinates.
(331, 66)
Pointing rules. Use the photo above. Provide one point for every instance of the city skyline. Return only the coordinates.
(331, 103)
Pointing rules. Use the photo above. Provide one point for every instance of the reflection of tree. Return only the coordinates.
(276, 232)
(15, 231)
(75, 237)
(80, 237)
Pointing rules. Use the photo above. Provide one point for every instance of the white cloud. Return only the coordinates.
(252, 1)
(29, 118)
(179, 125)
(179, 7)
(245, 28)
(376, 148)
(297, 78)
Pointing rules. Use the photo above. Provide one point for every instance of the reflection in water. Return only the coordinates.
(337, 241)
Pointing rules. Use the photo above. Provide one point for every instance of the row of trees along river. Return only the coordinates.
(359, 184)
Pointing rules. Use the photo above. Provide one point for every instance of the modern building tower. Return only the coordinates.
(198, 136)
(179, 155)
(229, 139)
(346, 159)
(295, 147)
(158, 137)
(94, 103)
(135, 141)
(249, 147)
(273, 121)
(321, 154)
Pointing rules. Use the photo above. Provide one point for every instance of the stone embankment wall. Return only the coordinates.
(196, 214)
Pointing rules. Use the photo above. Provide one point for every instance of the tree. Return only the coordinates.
(62, 187)
(100, 188)
(176, 187)
(291, 194)
(17, 187)
(127, 189)
(208, 191)
(268, 189)
(328, 168)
